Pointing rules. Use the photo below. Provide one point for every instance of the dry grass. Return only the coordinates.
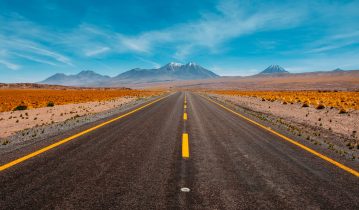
(12, 99)
(318, 99)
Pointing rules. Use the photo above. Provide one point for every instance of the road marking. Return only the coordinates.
(185, 106)
(26, 157)
(345, 168)
(185, 189)
(185, 116)
(185, 146)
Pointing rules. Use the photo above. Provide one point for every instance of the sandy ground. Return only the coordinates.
(346, 80)
(11, 122)
(326, 124)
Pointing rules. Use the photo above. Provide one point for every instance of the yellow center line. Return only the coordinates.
(345, 168)
(33, 154)
(185, 106)
(185, 146)
(185, 116)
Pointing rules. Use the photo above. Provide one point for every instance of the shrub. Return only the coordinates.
(305, 105)
(5, 142)
(20, 107)
(50, 104)
(320, 106)
(342, 111)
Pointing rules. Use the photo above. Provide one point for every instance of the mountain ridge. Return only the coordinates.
(83, 77)
(169, 72)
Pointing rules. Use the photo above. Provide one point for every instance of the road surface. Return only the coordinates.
(140, 162)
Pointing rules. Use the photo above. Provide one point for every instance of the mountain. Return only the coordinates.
(84, 78)
(169, 72)
(273, 69)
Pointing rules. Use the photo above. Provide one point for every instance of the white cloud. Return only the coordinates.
(208, 34)
(331, 46)
(97, 51)
(52, 54)
(24, 39)
(32, 50)
(213, 29)
(32, 58)
(10, 65)
(154, 64)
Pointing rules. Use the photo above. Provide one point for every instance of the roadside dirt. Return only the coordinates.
(11, 122)
(44, 123)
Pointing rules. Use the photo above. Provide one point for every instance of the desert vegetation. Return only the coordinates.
(22, 99)
(341, 100)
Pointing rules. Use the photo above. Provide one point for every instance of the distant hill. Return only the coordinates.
(347, 80)
(273, 69)
(54, 87)
(169, 72)
(84, 78)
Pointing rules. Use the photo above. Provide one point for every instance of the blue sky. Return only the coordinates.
(41, 37)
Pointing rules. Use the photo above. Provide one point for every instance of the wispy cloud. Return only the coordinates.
(26, 40)
(333, 42)
(211, 33)
(35, 59)
(154, 64)
(97, 51)
(10, 65)
(231, 20)
(213, 29)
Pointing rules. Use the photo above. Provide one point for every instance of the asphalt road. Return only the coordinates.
(136, 163)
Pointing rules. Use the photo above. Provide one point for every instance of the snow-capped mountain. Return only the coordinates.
(274, 69)
(169, 72)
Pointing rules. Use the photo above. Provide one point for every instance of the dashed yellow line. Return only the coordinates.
(345, 168)
(185, 106)
(26, 157)
(185, 146)
(184, 116)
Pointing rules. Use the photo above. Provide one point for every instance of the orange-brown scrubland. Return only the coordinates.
(318, 99)
(11, 99)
